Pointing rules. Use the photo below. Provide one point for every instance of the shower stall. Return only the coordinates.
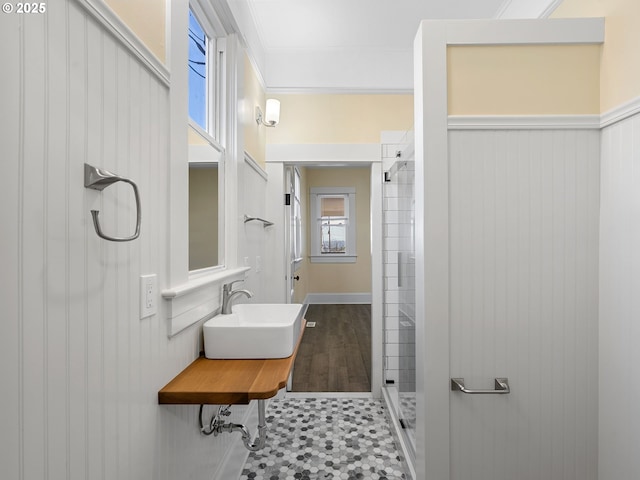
(399, 284)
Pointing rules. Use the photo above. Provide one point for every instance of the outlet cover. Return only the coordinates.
(148, 295)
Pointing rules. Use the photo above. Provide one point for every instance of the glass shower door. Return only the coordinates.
(400, 320)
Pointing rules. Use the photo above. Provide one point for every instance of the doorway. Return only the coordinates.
(338, 352)
(335, 354)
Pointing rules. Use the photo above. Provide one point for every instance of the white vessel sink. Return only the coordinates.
(259, 330)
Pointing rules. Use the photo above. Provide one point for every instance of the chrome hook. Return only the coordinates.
(99, 179)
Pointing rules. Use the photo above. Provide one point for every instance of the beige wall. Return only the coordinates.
(534, 80)
(146, 18)
(336, 119)
(342, 277)
(255, 135)
(194, 138)
(620, 67)
(329, 118)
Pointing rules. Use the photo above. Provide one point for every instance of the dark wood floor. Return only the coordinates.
(335, 355)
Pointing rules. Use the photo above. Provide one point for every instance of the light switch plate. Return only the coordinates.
(148, 295)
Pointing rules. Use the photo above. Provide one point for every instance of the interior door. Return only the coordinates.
(288, 230)
(523, 304)
(292, 229)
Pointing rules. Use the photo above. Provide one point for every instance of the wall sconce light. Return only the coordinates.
(272, 113)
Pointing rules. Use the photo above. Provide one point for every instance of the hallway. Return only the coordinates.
(335, 355)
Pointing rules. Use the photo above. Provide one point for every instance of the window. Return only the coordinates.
(206, 71)
(333, 224)
(333, 237)
(198, 85)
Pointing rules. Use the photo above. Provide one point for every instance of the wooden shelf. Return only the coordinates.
(229, 381)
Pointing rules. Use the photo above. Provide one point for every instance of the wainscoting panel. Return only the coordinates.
(80, 370)
(524, 303)
(253, 236)
(619, 417)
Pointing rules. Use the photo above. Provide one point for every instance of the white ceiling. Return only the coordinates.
(321, 24)
(352, 45)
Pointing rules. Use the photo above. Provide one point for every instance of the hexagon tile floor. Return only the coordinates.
(323, 438)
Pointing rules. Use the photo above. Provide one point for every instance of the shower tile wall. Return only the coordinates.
(399, 284)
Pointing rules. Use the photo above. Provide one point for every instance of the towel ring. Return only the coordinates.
(99, 179)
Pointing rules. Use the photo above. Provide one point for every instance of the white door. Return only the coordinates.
(292, 229)
(523, 303)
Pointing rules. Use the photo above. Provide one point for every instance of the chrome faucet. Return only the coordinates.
(228, 294)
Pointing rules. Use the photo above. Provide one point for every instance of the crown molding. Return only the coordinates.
(503, 8)
(337, 91)
(526, 8)
(550, 8)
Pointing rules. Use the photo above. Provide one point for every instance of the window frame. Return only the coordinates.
(215, 113)
(216, 87)
(191, 295)
(350, 255)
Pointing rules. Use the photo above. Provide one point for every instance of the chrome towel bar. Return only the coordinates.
(501, 387)
(266, 223)
(99, 179)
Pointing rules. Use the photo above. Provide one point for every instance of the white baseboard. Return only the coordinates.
(337, 298)
(304, 395)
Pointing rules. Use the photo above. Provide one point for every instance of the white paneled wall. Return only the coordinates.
(524, 302)
(619, 393)
(80, 371)
(252, 239)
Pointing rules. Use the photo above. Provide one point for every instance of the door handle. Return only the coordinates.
(501, 387)
(297, 277)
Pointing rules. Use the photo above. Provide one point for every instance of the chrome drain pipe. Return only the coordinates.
(216, 426)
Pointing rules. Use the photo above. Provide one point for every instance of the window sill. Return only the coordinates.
(197, 299)
(333, 258)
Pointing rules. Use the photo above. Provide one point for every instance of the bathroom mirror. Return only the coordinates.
(206, 171)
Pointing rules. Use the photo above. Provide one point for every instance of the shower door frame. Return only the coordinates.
(432, 206)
